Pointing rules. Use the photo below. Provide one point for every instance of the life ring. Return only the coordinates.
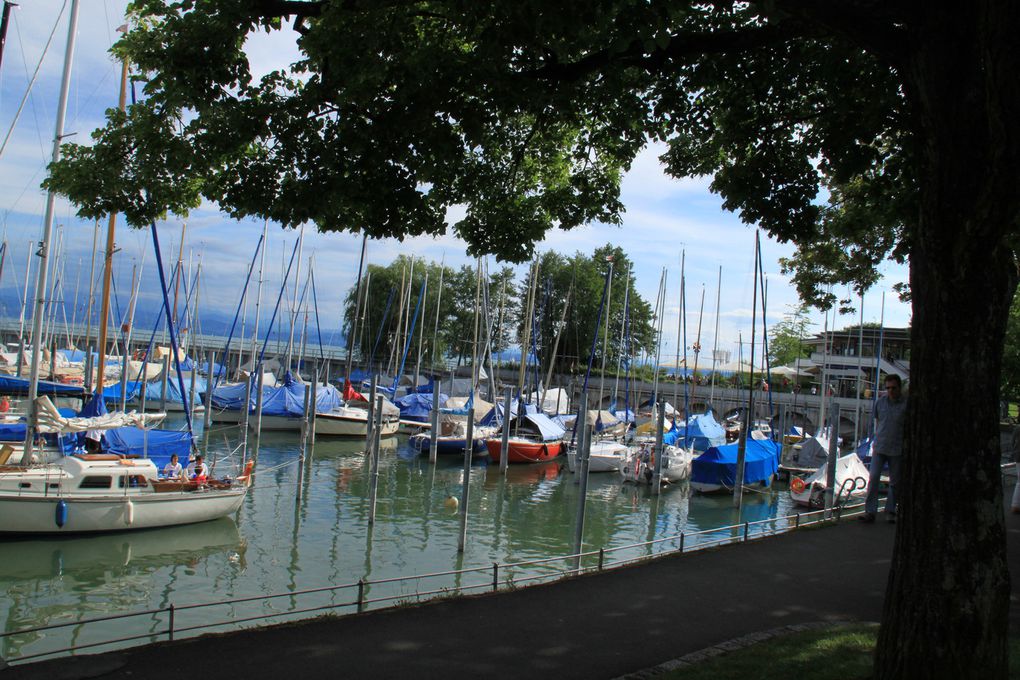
(797, 485)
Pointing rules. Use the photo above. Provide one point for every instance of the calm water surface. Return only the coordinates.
(298, 532)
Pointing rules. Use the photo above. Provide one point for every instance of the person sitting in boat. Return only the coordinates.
(173, 469)
(5, 404)
(198, 471)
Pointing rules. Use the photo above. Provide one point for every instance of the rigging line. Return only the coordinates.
(35, 75)
(230, 336)
(170, 326)
(318, 326)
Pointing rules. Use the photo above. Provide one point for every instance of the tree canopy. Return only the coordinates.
(857, 129)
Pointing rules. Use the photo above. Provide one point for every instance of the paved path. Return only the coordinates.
(600, 626)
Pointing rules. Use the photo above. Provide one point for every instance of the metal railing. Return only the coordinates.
(497, 576)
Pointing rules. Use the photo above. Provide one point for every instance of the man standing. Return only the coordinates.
(887, 448)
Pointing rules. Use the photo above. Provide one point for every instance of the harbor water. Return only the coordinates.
(307, 528)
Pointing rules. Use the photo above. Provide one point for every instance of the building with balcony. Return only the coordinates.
(853, 356)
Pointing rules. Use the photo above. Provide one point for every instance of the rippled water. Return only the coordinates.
(297, 532)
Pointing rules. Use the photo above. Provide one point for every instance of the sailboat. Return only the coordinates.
(97, 492)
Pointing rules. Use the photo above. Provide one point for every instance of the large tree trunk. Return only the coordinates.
(947, 603)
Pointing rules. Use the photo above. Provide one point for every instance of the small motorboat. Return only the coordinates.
(851, 483)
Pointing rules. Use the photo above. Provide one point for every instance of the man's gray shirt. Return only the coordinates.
(889, 416)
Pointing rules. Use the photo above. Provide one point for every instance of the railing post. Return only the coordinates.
(681, 543)
(361, 595)
(170, 632)
(747, 527)
(796, 524)
(495, 576)
(602, 558)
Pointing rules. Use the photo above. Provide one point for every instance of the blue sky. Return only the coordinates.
(664, 216)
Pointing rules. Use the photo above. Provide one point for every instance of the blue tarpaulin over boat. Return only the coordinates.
(10, 384)
(703, 431)
(111, 393)
(718, 465)
(288, 399)
(154, 390)
(417, 406)
(157, 445)
(229, 397)
(544, 426)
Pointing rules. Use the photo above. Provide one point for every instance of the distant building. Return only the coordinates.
(842, 359)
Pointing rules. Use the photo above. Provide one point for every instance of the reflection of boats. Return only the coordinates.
(526, 474)
(83, 555)
(851, 482)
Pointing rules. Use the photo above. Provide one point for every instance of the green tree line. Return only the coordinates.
(452, 298)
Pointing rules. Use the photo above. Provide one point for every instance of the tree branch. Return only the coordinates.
(286, 8)
(875, 25)
(680, 47)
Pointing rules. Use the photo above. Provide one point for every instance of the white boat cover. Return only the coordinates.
(555, 401)
(847, 467)
(49, 420)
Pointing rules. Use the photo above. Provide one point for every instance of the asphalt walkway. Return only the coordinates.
(598, 626)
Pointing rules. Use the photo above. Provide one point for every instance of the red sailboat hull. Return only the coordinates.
(524, 451)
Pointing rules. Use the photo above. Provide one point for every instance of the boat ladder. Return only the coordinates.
(847, 489)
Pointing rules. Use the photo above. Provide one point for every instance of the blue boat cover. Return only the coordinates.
(10, 384)
(229, 397)
(112, 392)
(718, 465)
(495, 414)
(154, 390)
(703, 431)
(288, 399)
(547, 429)
(417, 406)
(157, 445)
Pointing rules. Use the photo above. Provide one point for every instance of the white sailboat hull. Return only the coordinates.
(348, 425)
(85, 494)
(25, 515)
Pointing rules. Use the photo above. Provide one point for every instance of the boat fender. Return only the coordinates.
(129, 513)
(797, 485)
(61, 514)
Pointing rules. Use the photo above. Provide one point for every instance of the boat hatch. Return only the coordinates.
(25, 485)
(96, 482)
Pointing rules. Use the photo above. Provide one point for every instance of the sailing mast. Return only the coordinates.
(40, 288)
(623, 327)
(715, 340)
(357, 310)
(104, 310)
(680, 326)
(745, 430)
(258, 301)
(605, 335)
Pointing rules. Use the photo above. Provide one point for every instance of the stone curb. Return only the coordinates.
(731, 646)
